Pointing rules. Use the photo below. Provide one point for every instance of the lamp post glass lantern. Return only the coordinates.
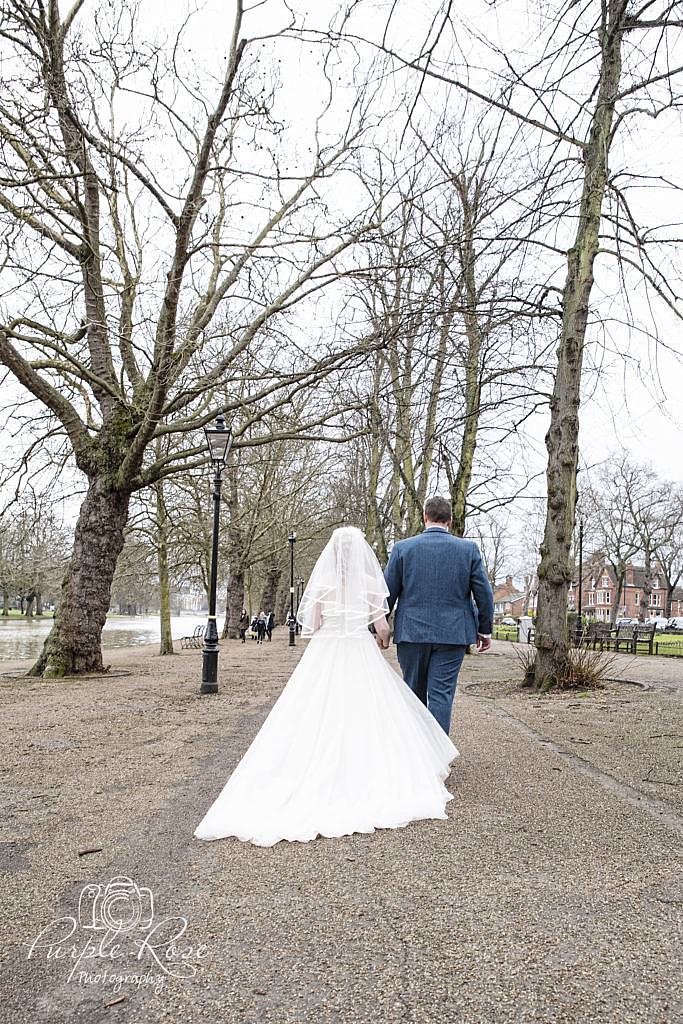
(292, 620)
(218, 440)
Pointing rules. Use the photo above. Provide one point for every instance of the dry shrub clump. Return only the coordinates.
(582, 669)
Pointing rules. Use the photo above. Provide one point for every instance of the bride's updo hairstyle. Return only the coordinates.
(346, 591)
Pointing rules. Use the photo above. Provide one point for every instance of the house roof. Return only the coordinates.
(506, 592)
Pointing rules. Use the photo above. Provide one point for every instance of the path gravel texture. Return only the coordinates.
(553, 893)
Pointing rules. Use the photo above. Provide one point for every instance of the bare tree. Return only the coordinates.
(147, 260)
(670, 544)
(612, 64)
(608, 507)
(464, 340)
(646, 507)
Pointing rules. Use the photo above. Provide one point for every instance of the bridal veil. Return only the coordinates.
(346, 591)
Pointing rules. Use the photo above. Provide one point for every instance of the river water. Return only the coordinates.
(23, 638)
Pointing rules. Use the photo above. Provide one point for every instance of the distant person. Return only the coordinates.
(260, 628)
(244, 625)
(270, 625)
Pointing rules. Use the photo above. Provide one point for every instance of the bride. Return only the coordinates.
(347, 746)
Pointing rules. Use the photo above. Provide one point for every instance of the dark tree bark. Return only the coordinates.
(282, 609)
(73, 644)
(270, 588)
(236, 554)
(555, 570)
(235, 604)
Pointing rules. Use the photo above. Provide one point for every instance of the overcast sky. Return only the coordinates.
(634, 401)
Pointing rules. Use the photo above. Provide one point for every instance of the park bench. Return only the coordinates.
(195, 640)
(597, 634)
(644, 636)
(622, 639)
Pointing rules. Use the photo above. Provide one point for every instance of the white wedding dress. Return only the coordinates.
(347, 746)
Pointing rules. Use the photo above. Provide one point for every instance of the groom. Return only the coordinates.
(435, 578)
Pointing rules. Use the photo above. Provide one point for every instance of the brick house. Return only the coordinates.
(507, 599)
(600, 592)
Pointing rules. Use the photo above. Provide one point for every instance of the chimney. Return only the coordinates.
(508, 581)
(628, 580)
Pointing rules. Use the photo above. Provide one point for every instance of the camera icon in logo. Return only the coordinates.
(120, 906)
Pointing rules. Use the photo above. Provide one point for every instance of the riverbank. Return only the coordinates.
(22, 638)
(552, 893)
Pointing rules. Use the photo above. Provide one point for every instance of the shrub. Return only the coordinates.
(583, 669)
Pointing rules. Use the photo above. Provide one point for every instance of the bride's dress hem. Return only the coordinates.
(309, 837)
(347, 748)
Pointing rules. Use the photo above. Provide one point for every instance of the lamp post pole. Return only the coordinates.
(210, 652)
(218, 438)
(299, 594)
(292, 620)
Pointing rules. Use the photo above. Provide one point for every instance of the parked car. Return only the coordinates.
(659, 622)
(675, 623)
(626, 622)
(508, 621)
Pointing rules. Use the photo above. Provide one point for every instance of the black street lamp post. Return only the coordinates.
(292, 619)
(219, 439)
(300, 583)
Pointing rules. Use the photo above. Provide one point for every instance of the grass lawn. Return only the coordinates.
(504, 632)
(668, 644)
(14, 613)
(672, 641)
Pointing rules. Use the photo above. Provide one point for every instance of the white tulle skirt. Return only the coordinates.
(347, 747)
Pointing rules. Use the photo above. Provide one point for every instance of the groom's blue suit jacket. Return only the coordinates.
(443, 592)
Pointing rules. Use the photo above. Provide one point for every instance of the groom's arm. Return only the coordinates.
(482, 594)
(393, 577)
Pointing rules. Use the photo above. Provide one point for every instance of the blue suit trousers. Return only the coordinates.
(431, 672)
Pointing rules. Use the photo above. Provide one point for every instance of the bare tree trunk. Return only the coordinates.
(461, 484)
(614, 610)
(5, 602)
(647, 586)
(235, 604)
(73, 644)
(30, 598)
(270, 588)
(39, 603)
(166, 642)
(555, 569)
(282, 610)
(236, 555)
(375, 531)
(460, 487)
(669, 599)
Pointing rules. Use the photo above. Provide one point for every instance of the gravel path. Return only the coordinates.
(553, 893)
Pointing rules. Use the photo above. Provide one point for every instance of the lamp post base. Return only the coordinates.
(292, 632)
(209, 672)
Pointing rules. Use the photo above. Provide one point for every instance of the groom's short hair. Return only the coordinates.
(438, 510)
